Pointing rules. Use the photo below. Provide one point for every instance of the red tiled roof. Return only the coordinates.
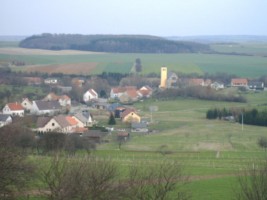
(71, 120)
(132, 93)
(15, 106)
(64, 97)
(239, 81)
(196, 81)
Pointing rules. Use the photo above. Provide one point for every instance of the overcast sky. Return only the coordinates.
(150, 17)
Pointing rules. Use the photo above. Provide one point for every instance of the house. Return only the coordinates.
(129, 116)
(78, 82)
(60, 123)
(117, 92)
(196, 82)
(130, 95)
(217, 86)
(118, 111)
(26, 104)
(5, 120)
(145, 91)
(239, 82)
(89, 95)
(33, 80)
(64, 100)
(51, 81)
(45, 108)
(172, 80)
(139, 127)
(13, 109)
(256, 85)
(84, 118)
(51, 97)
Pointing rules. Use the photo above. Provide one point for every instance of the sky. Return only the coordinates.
(146, 17)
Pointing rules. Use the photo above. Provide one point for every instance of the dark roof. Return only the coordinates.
(256, 84)
(48, 105)
(62, 121)
(83, 116)
(42, 121)
(113, 106)
(3, 117)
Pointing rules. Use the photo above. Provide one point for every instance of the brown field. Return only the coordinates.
(74, 68)
(23, 51)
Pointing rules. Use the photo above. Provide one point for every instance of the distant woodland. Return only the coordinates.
(111, 43)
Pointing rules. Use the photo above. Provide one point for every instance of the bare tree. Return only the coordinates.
(253, 184)
(157, 182)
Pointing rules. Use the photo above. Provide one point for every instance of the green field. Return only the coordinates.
(243, 66)
(212, 152)
(259, 49)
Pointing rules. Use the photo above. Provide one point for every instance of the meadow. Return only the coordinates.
(242, 66)
(212, 152)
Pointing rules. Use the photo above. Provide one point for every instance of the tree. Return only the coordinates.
(111, 120)
(138, 65)
(262, 142)
(87, 178)
(15, 171)
(157, 182)
(253, 184)
(92, 178)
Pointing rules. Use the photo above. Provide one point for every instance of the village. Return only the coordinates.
(58, 113)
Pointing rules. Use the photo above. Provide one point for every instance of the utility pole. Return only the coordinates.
(242, 121)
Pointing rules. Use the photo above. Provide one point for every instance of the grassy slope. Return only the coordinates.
(195, 142)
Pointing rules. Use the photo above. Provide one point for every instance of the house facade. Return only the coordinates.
(239, 82)
(60, 123)
(129, 116)
(45, 108)
(89, 95)
(13, 109)
(26, 104)
(256, 85)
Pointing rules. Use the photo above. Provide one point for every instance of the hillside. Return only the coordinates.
(111, 43)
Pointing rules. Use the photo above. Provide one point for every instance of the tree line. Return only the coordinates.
(198, 92)
(111, 43)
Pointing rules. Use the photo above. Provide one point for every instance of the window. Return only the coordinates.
(53, 124)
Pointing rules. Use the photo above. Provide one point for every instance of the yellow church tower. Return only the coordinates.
(163, 77)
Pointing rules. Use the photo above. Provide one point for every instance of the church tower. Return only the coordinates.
(163, 77)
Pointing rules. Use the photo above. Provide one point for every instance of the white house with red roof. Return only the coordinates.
(13, 109)
(239, 82)
(89, 95)
(60, 123)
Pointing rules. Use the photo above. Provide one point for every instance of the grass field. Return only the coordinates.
(243, 66)
(212, 152)
(259, 49)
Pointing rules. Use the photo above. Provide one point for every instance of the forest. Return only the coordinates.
(111, 43)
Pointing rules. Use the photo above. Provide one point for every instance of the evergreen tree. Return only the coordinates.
(111, 120)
